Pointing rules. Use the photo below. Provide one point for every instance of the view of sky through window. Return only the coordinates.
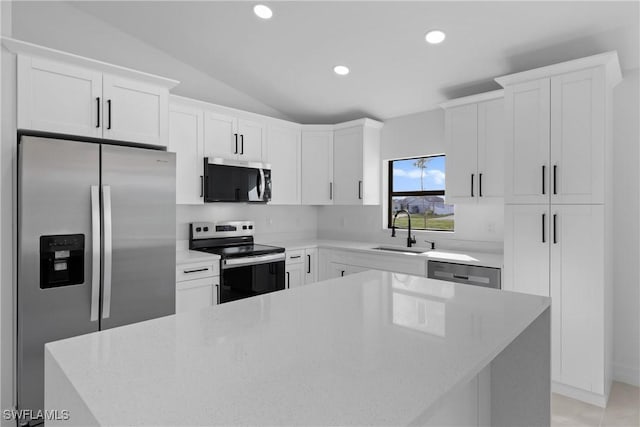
(409, 176)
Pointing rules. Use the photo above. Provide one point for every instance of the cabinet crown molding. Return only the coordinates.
(607, 59)
(21, 47)
(471, 99)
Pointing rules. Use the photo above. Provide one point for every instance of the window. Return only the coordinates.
(417, 185)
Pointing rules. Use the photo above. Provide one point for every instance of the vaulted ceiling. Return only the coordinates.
(286, 62)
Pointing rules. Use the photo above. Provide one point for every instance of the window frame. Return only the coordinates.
(391, 194)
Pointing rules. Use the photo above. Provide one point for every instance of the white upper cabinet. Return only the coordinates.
(527, 142)
(578, 137)
(284, 156)
(556, 131)
(63, 93)
(491, 151)
(317, 167)
(228, 137)
(135, 111)
(186, 139)
(474, 132)
(252, 138)
(220, 135)
(58, 97)
(356, 163)
(347, 166)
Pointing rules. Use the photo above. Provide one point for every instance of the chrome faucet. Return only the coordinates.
(410, 239)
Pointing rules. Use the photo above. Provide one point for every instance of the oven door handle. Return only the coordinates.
(252, 260)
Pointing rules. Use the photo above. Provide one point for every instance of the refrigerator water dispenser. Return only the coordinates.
(61, 260)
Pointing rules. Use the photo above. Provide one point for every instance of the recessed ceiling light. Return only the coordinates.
(341, 70)
(262, 11)
(435, 36)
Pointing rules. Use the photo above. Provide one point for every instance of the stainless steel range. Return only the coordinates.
(247, 269)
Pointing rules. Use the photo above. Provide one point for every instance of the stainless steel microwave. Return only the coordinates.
(235, 181)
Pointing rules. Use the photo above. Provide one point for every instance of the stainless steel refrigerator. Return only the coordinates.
(96, 238)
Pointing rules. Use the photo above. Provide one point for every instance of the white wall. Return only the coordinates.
(7, 150)
(626, 229)
(476, 227)
(61, 26)
(273, 223)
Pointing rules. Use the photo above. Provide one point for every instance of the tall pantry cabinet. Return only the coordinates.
(558, 189)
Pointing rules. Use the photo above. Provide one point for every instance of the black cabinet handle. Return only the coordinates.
(472, 184)
(236, 150)
(555, 237)
(197, 270)
(480, 184)
(360, 190)
(331, 191)
(288, 280)
(544, 169)
(109, 113)
(295, 257)
(201, 186)
(217, 294)
(457, 276)
(555, 170)
(98, 108)
(544, 216)
(241, 144)
(309, 264)
(342, 273)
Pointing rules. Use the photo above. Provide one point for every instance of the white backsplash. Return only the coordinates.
(273, 223)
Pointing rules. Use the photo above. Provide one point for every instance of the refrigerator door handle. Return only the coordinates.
(106, 206)
(95, 243)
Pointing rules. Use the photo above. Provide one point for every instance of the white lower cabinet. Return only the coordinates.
(301, 267)
(559, 251)
(197, 285)
(339, 262)
(336, 269)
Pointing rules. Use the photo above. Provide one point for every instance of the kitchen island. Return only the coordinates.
(374, 348)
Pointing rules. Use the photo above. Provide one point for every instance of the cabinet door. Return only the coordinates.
(340, 270)
(294, 275)
(462, 144)
(347, 166)
(283, 153)
(221, 137)
(577, 292)
(187, 141)
(491, 151)
(527, 112)
(526, 249)
(577, 137)
(57, 97)
(251, 140)
(135, 111)
(311, 266)
(317, 167)
(194, 294)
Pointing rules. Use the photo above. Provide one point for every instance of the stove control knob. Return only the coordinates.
(251, 227)
(198, 229)
(206, 229)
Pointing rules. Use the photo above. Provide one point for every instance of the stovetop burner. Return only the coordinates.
(230, 239)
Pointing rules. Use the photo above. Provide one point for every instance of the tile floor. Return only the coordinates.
(623, 409)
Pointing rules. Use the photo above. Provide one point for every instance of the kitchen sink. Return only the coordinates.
(401, 250)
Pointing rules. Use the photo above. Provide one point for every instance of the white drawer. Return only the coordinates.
(295, 257)
(197, 270)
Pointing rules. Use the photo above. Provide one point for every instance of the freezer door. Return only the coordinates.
(139, 235)
(56, 280)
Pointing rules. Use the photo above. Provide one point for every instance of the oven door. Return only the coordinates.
(247, 277)
(229, 181)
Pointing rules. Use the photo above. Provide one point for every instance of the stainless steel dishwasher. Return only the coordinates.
(488, 277)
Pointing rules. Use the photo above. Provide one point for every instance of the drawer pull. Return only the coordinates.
(197, 270)
(295, 257)
(457, 276)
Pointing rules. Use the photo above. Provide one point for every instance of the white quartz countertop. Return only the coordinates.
(368, 349)
(186, 256)
(454, 256)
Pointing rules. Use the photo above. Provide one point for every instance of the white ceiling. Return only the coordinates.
(287, 62)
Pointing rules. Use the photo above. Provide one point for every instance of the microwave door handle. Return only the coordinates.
(261, 185)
